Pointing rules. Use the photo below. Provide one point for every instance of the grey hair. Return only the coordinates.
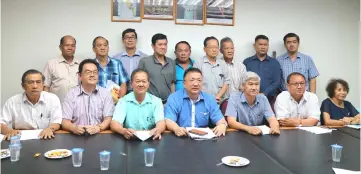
(250, 76)
(226, 39)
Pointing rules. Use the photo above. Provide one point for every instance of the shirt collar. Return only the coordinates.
(191, 61)
(82, 91)
(298, 56)
(232, 62)
(131, 98)
(108, 60)
(185, 95)
(156, 60)
(303, 99)
(206, 60)
(244, 100)
(41, 99)
(124, 53)
(256, 57)
(61, 59)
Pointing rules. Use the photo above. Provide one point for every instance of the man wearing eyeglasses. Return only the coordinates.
(215, 71)
(87, 108)
(131, 56)
(297, 107)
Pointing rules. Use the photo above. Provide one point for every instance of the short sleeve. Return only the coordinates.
(231, 110)
(47, 75)
(123, 76)
(281, 106)
(312, 72)
(227, 79)
(158, 113)
(352, 109)
(56, 116)
(141, 64)
(170, 110)
(314, 107)
(6, 117)
(108, 105)
(120, 111)
(216, 114)
(68, 106)
(267, 107)
(325, 107)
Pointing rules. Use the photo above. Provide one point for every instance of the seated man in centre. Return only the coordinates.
(190, 107)
(248, 109)
(139, 110)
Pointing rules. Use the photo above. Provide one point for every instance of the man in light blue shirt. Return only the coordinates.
(182, 62)
(190, 107)
(139, 110)
(294, 61)
(248, 109)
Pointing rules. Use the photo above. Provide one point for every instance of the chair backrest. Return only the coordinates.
(223, 106)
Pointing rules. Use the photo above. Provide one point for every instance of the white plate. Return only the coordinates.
(240, 161)
(5, 153)
(58, 150)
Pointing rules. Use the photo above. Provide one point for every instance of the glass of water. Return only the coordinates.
(104, 160)
(14, 152)
(77, 156)
(149, 157)
(336, 152)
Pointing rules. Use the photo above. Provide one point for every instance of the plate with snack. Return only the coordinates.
(58, 153)
(5, 153)
(235, 161)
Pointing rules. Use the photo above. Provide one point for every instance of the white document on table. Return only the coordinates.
(142, 135)
(265, 129)
(210, 134)
(30, 134)
(316, 130)
(343, 171)
(357, 126)
(1, 137)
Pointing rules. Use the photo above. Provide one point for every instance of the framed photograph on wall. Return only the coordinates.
(189, 12)
(127, 10)
(159, 9)
(220, 12)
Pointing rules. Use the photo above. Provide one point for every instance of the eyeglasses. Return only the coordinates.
(91, 72)
(129, 38)
(302, 84)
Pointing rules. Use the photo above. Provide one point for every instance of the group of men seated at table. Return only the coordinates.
(151, 100)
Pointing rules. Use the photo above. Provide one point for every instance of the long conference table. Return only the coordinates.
(294, 151)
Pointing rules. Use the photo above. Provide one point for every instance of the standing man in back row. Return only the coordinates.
(294, 61)
(161, 69)
(215, 71)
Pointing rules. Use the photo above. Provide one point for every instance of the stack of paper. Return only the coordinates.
(354, 126)
(316, 130)
(30, 134)
(343, 171)
(142, 135)
(265, 129)
(208, 136)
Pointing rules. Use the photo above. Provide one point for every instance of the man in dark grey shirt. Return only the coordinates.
(161, 69)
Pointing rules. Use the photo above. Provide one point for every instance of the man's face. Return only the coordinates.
(129, 40)
(101, 47)
(68, 47)
(183, 52)
(89, 74)
(296, 86)
(228, 50)
(33, 84)
(292, 44)
(140, 83)
(193, 82)
(251, 87)
(160, 47)
(212, 48)
(261, 47)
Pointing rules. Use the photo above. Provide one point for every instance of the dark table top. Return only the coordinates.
(350, 131)
(308, 153)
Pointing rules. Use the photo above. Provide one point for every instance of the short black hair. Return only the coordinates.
(86, 61)
(332, 84)
(294, 74)
(99, 37)
(261, 36)
(209, 38)
(190, 70)
(63, 38)
(136, 71)
(158, 36)
(31, 71)
(291, 35)
(182, 42)
(129, 30)
(226, 39)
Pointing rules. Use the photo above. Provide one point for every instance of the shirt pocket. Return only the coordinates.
(44, 121)
(114, 77)
(202, 119)
(219, 76)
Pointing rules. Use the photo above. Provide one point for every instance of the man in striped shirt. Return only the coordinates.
(294, 61)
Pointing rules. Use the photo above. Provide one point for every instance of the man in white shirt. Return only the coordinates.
(297, 107)
(33, 109)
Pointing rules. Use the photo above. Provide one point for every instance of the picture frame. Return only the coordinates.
(220, 12)
(126, 10)
(189, 12)
(159, 9)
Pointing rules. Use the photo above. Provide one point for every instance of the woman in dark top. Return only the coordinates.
(335, 110)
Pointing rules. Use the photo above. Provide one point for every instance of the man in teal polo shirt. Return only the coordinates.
(139, 110)
(182, 62)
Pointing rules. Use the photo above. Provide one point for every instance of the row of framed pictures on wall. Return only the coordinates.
(192, 12)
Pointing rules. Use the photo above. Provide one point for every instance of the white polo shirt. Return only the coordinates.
(19, 113)
(287, 107)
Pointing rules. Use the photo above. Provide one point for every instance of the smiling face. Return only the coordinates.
(89, 74)
(193, 83)
(340, 92)
(101, 48)
(140, 83)
(296, 86)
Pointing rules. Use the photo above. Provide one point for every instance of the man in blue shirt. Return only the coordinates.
(183, 62)
(190, 107)
(266, 67)
(109, 68)
(246, 110)
(294, 61)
